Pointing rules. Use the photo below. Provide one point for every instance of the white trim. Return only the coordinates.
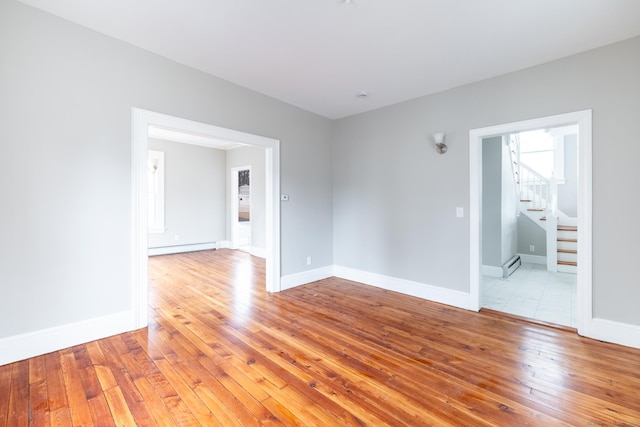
(533, 259)
(223, 244)
(141, 120)
(298, 279)
(21, 347)
(167, 250)
(421, 290)
(614, 332)
(583, 120)
(157, 227)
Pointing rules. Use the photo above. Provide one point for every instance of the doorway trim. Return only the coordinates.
(235, 206)
(141, 120)
(585, 285)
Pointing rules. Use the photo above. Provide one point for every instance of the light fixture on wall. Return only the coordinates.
(441, 147)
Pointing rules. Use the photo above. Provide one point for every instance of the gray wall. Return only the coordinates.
(509, 204)
(529, 233)
(492, 201)
(383, 225)
(254, 157)
(499, 204)
(65, 169)
(195, 194)
(379, 198)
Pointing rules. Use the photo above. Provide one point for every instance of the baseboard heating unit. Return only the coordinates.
(510, 266)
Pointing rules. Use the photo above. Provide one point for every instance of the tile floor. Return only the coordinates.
(533, 292)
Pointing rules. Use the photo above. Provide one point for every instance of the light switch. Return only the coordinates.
(460, 212)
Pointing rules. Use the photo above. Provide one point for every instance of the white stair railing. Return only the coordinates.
(534, 187)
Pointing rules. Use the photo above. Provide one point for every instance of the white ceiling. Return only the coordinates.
(318, 54)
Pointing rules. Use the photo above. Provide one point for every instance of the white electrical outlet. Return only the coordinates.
(308, 260)
(176, 237)
(532, 248)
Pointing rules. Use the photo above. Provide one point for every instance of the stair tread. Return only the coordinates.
(525, 200)
(568, 263)
(564, 239)
(568, 251)
(543, 218)
(536, 209)
(568, 227)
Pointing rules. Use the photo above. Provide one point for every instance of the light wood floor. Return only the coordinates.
(221, 351)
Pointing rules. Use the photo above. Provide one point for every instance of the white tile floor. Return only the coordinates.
(533, 292)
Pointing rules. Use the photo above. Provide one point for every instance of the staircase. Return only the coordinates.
(538, 201)
(567, 248)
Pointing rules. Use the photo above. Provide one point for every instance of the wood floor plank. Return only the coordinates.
(122, 416)
(5, 392)
(18, 415)
(220, 350)
(78, 402)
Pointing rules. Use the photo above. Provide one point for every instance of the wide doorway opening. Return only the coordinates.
(142, 121)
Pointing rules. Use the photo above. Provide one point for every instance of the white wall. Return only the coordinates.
(65, 168)
(385, 226)
(195, 194)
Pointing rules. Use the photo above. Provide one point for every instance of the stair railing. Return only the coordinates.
(534, 187)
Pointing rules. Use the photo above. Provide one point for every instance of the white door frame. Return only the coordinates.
(141, 119)
(234, 205)
(583, 120)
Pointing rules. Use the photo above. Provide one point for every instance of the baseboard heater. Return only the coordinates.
(510, 266)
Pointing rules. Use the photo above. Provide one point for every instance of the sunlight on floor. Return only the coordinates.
(242, 287)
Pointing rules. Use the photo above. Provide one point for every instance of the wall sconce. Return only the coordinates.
(441, 147)
(152, 164)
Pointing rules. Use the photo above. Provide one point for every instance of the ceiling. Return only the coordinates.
(318, 54)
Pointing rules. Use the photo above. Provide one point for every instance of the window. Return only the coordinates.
(155, 200)
(543, 151)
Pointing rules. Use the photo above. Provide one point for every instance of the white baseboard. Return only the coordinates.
(24, 346)
(167, 250)
(224, 244)
(492, 271)
(421, 290)
(297, 279)
(533, 259)
(613, 332)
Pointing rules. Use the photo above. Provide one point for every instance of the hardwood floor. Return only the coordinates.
(219, 350)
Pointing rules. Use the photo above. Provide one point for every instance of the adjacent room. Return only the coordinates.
(341, 212)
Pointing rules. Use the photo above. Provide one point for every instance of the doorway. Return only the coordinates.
(241, 208)
(584, 273)
(529, 206)
(141, 121)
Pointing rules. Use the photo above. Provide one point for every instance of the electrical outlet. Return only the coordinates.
(532, 248)
(308, 260)
(176, 237)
